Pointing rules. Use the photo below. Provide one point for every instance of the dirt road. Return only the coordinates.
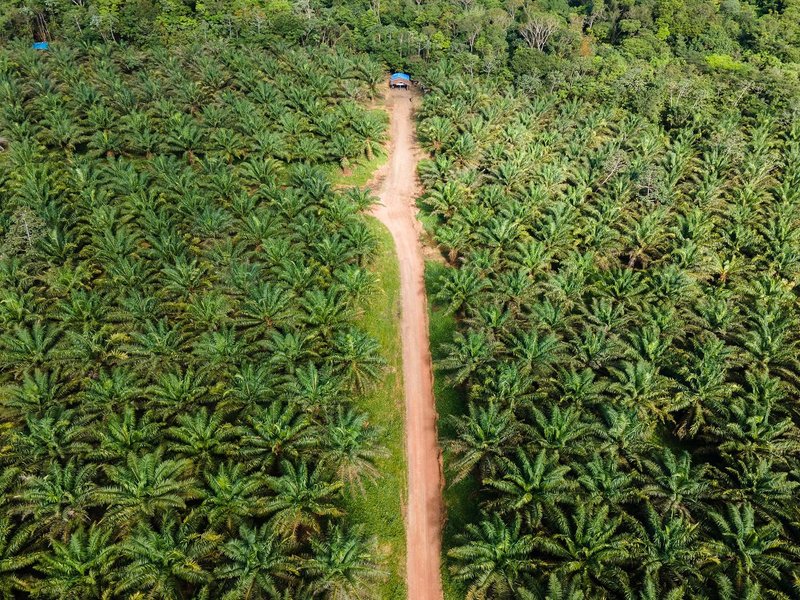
(397, 211)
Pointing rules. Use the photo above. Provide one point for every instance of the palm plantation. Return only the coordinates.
(190, 371)
(179, 352)
(626, 336)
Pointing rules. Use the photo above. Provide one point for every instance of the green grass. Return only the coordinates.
(361, 172)
(380, 507)
(459, 500)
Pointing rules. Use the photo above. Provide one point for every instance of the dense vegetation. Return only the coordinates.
(628, 345)
(179, 283)
(645, 52)
(614, 187)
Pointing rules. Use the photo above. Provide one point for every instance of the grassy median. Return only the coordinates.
(380, 507)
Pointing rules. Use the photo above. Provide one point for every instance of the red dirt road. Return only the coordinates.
(397, 211)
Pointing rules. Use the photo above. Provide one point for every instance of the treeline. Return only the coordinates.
(628, 345)
(179, 282)
(641, 53)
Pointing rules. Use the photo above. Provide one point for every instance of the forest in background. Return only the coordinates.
(613, 186)
(642, 52)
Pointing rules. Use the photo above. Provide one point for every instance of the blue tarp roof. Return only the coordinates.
(40, 45)
(401, 76)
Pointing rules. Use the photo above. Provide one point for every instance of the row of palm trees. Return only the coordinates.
(627, 345)
(183, 104)
(179, 354)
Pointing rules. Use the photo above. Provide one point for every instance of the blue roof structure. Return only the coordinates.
(40, 46)
(399, 76)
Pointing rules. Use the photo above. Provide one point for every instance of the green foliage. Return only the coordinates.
(181, 362)
(182, 344)
(723, 62)
(626, 344)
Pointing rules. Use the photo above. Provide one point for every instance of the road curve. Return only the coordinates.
(397, 211)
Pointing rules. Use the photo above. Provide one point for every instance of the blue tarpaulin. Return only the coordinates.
(399, 80)
(41, 46)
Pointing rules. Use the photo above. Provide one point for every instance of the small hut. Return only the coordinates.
(399, 80)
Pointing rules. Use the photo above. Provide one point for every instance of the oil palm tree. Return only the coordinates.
(82, 567)
(258, 564)
(535, 351)
(144, 487)
(482, 439)
(174, 391)
(37, 391)
(325, 312)
(288, 350)
(231, 496)
(370, 129)
(604, 482)
(14, 559)
(351, 447)
(343, 565)
(355, 355)
(591, 549)
(676, 485)
(460, 288)
(313, 388)
(640, 386)
(530, 487)
(276, 432)
(568, 431)
(58, 435)
(27, 346)
(558, 588)
(706, 389)
(767, 486)
(752, 432)
(492, 558)
(672, 552)
(302, 499)
(627, 437)
(751, 554)
(202, 438)
(466, 355)
(58, 501)
(162, 562)
(265, 308)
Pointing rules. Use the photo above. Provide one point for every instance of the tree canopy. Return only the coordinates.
(613, 188)
(179, 353)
